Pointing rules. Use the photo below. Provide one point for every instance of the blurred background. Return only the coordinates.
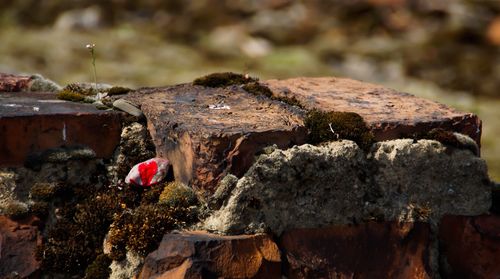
(447, 50)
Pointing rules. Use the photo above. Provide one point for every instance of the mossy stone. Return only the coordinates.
(332, 125)
(223, 79)
(118, 90)
(69, 95)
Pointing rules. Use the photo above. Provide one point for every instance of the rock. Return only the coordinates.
(198, 254)
(308, 187)
(369, 250)
(426, 180)
(388, 113)
(35, 122)
(127, 107)
(148, 173)
(18, 243)
(204, 144)
(38, 83)
(470, 246)
(127, 268)
(13, 83)
(304, 186)
(493, 32)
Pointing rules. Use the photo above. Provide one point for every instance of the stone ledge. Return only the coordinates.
(34, 122)
(389, 114)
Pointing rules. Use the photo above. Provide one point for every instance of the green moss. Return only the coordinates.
(80, 89)
(332, 125)
(141, 229)
(259, 89)
(85, 216)
(99, 268)
(223, 80)
(44, 191)
(68, 95)
(176, 194)
(118, 90)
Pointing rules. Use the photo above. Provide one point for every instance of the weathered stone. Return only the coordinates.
(127, 268)
(308, 186)
(388, 113)
(200, 254)
(34, 122)
(127, 107)
(470, 246)
(18, 242)
(208, 132)
(370, 250)
(13, 83)
(425, 180)
(305, 186)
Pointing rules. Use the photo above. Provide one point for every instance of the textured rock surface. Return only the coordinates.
(18, 242)
(470, 246)
(390, 114)
(127, 268)
(425, 181)
(203, 255)
(370, 250)
(308, 186)
(208, 132)
(34, 122)
(305, 186)
(13, 83)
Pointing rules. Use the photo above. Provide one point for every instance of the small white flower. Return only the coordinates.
(90, 46)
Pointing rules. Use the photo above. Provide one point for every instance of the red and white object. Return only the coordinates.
(148, 173)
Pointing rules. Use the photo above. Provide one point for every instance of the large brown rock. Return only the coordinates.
(34, 122)
(388, 113)
(370, 250)
(470, 246)
(18, 242)
(208, 132)
(203, 255)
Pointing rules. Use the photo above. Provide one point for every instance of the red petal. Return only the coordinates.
(147, 170)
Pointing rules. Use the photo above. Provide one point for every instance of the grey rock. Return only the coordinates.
(423, 181)
(40, 84)
(226, 185)
(127, 268)
(305, 186)
(127, 107)
(309, 186)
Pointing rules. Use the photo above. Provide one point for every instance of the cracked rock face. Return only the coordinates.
(309, 187)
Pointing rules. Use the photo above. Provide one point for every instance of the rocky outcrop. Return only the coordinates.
(309, 186)
(204, 255)
(18, 243)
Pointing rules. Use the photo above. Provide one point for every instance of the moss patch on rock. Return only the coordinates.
(223, 79)
(258, 89)
(99, 268)
(332, 125)
(118, 90)
(68, 95)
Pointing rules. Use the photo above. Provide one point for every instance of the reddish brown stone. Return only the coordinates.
(13, 83)
(33, 122)
(470, 246)
(18, 242)
(371, 250)
(204, 255)
(388, 113)
(209, 132)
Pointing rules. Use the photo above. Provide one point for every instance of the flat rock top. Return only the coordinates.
(226, 110)
(375, 103)
(31, 104)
